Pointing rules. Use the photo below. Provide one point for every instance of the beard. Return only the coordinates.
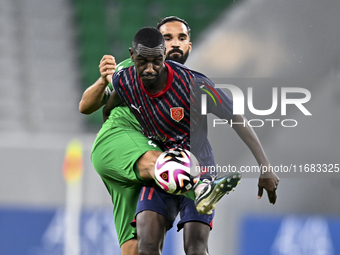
(180, 58)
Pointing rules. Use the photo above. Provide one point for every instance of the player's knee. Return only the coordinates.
(196, 246)
(146, 164)
(147, 245)
(196, 237)
(195, 249)
(148, 248)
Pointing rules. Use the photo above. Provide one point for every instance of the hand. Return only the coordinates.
(268, 181)
(107, 68)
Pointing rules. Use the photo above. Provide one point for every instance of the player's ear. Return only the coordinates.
(190, 46)
(131, 54)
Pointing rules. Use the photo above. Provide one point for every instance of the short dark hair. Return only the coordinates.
(149, 37)
(173, 18)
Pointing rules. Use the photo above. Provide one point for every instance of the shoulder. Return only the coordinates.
(123, 70)
(124, 64)
(179, 67)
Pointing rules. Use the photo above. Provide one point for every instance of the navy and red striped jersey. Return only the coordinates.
(172, 115)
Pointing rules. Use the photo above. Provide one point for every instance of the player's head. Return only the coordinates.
(176, 33)
(148, 54)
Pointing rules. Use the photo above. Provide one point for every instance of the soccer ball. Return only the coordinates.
(177, 171)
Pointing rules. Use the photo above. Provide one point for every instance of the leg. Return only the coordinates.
(206, 195)
(130, 247)
(196, 227)
(116, 167)
(151, 231)
(156, 212)
(146, 164)
(195, 238)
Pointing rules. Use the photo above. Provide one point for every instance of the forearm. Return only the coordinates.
(92, 97)
(268, 180)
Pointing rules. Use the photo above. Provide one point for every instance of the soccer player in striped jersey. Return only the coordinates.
(152, 88)
(196, 232)
(196, 226)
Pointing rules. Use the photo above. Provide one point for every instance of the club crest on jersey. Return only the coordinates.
(177, 113)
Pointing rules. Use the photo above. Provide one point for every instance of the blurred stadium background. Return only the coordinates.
(49, 54)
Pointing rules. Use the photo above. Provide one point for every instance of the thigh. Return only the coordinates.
(152, 198)
(196, 227)
(115, 153)
(151, 231)
(188, 213)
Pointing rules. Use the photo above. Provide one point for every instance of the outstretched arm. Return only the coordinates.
(92, 97)
(268, 180)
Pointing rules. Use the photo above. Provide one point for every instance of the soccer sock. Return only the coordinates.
(190, 194)
(199, 188)
(193, 193)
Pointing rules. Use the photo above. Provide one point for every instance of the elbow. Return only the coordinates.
(83, 109)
